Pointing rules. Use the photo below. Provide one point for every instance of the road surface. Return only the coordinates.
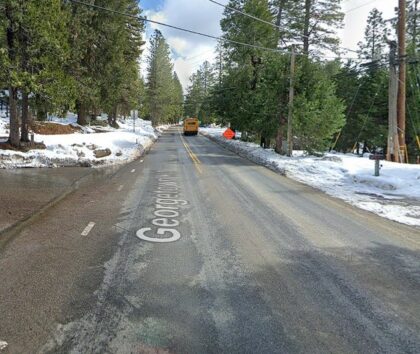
(197, 250)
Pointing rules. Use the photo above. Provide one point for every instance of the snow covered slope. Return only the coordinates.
(83, 148)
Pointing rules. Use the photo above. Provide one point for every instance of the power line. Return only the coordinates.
(194, 32)
(178, 28)
(359, 7)
(267, 22)
(245, 14)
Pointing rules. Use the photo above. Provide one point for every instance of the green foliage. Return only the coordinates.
(177, 100)
(318, 112)
(365, 95)
(413, 38)
(252, 94)
(376, 34)
(105, 51)
(197, 101)
(311, 23)
(30, 26)
(163, 88)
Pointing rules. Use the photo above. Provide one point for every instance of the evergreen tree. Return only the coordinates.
(197, 103)
(311, 23)
(27, 26)
(177, 100)
(253, 92)
(105, 51)
(413, 37)
(365, 95)
(159, 80)
(237, 95)
(121, 49)
(376, 34)
(318, 112)
(84, 39)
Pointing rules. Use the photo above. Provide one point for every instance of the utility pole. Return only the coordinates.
(393, 140)
(401, 82)
(291, 97)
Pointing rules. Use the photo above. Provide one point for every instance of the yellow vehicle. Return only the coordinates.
(191, 126)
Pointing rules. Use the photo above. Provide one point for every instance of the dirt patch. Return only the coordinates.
(24, 147)
(47, 128)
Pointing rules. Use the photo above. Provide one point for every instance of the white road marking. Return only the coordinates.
(88, 228)
(167, 209)
(121, 186)
(141, 160)
(133, 170)
(3, 345)
(175, 235)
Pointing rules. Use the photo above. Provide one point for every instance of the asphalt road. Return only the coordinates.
(197, 250)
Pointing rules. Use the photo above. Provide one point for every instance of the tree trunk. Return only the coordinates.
(24, 132)
(244, 136)
(278, 21)
(279, 137)
(112, 118)
(279, 140)
(308, 4)
(14, 119)
(81, 113)
(365, 149)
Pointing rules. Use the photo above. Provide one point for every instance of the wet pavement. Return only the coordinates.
(25, 191)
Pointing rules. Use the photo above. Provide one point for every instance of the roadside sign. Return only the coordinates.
(229, 134)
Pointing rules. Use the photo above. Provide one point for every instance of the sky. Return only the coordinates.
(189, 51)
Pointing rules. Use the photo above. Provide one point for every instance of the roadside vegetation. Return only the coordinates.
(339, 103)
(58, 56)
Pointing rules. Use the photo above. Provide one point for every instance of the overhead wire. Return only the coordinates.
(267, 22)
(245, 14)
(223, 39)
(141, 18)
(360, 6)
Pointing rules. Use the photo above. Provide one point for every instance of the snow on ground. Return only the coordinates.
(395, 194)
(3, 345)
(78, 149)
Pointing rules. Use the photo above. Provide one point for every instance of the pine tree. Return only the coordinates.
(318, 112)
(413, 37)
(27, 26)
(159, 80)
(310, 23)
(321, 20)
(121, 49)
(253, 91)
(84, 39)
(365, 95)
(198, 98)
(376, 34)
(244, 64)
(177, 100)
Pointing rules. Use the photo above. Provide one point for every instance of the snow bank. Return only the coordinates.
(82, 148)
(395, 194)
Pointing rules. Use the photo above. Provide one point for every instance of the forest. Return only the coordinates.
(340, 103)
(83, 56)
